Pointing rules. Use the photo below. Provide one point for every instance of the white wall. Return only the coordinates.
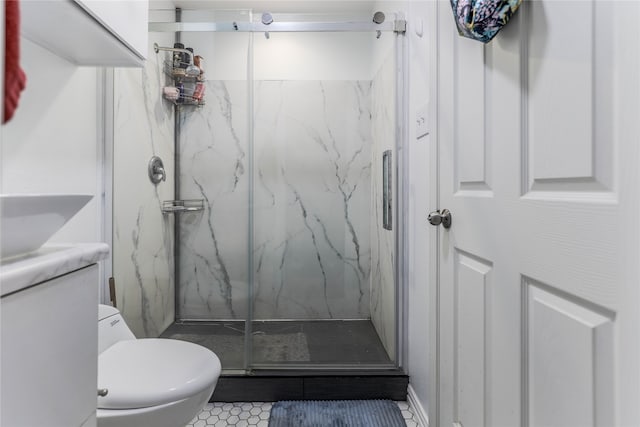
(52, 144)
(317, 56)
(421, 19)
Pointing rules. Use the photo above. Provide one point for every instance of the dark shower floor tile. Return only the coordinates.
(286, 343)
(225, 339)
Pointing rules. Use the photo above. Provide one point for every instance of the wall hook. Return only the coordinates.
(419, 28)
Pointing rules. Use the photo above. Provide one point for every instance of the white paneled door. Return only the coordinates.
(538, 135)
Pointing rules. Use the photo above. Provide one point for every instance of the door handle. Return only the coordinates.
(437, 218)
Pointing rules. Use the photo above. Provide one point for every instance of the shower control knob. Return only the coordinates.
(438, 217)
(156, 170)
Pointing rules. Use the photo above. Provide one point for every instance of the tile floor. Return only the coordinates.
(245, 414)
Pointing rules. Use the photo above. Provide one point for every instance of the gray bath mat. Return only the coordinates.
(267, 348)
(336, 413)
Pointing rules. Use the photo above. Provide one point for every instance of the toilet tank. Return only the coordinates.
(111, 327)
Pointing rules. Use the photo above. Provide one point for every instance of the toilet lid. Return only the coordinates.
(149, 372)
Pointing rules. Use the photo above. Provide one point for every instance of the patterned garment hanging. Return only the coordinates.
(482, 19)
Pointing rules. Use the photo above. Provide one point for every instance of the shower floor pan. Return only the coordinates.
(332, 359)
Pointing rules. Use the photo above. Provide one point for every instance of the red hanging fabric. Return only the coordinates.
(14, 78)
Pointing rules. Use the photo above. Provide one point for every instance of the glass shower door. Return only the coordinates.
(324, 293)
(213, 151)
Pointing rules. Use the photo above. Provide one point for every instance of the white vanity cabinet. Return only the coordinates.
(89, 32)
(49, 339)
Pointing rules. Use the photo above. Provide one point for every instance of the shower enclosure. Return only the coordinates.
(291, 261)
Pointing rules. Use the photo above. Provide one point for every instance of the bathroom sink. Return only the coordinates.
(27, 221)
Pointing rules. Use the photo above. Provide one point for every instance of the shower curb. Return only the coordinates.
(287, 385)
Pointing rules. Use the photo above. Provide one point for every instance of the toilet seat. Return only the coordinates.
(154, 371)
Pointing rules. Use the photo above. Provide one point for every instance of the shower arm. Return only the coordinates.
(157, 49)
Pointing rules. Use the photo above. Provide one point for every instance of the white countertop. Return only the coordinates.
(46, 263)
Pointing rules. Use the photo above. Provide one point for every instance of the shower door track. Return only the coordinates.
(398, 26)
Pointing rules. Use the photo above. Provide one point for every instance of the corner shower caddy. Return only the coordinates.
(180, 75)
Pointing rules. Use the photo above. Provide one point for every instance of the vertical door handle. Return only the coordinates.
(387, 191)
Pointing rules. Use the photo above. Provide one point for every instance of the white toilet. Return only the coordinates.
(150, 382)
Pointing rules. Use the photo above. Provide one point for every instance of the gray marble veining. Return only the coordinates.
(312, 148)
(311, 201)
(143, 236)
(214, 253)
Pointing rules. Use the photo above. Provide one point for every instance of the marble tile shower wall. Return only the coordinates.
(312, 197)
(213, 244)
(312, 252)
(143, 237)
